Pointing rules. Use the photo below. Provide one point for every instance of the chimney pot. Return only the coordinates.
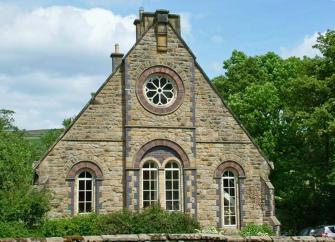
(116, 57)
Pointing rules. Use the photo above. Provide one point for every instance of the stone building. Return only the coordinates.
(157, 131)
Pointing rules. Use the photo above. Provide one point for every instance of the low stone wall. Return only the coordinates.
(172, 238)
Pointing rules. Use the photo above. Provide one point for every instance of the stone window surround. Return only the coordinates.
(161, 180)
(185, 163)
(238, 170)
(160, 70)
(75, 170)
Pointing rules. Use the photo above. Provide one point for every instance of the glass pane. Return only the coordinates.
(88, 175)
(168, 205)
(231, 182)
(81, 207)
(156, 99)
(146, 185)
(225, 183)
(82, 175)
(233, 220)
(168, 86)
(175, 174)
(153, 185)
(176, 205)
(81, 196)
(153, 195)
(89, 185)
(146, 195)
(226, 190)
(146, 204)
(226, 202)
(156, 82)
(150, 94)
(168, 195)
(232, 210)
(168, 184)
(163, 99)
(145, 175)
(175, 184)
(88, 207)
(81, 185)
(168, 175)
(226, 220)
(232, 200)
(232, 192)
(175, 195)
(153, 175)
(88, 196)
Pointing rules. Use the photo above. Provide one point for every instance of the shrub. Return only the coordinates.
(256, 230)
(15, 229)
(78, 225)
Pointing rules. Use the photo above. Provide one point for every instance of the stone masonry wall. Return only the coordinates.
(96, 136)
(173, 237)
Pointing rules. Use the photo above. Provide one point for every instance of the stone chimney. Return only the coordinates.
(163, 19)
(116, 57)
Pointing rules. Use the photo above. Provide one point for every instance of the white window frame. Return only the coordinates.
(224, 207)
(92, 201)
(150, 169)
(173, 189)
(160, 90)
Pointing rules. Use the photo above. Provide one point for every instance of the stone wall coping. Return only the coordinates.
(172, 237)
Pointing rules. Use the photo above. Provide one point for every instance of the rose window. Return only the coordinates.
(160, 90)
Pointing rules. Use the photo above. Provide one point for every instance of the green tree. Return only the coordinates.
(288, 106)
(19, 200)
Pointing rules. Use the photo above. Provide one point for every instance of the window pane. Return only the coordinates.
(176, 175)
(176, 195)
(225, 201)
(81, 196)
(233, 220)
(81, 207)
(89, 185)
(176, 205)
(153, 185)
(146, 185)
(226, 220)
(88, 196)
(175, 184)
(145, 175)
(168, 205)
(153, 195)
(168, 185)
(146, 204)
(168, 175)
(232, 192)
(146, 195)
(231, 183)
(81, 185)
(82, 175)
(168, 195)
(88, 207)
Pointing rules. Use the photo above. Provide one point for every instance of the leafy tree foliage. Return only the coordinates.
(19, 200)
(288, 106)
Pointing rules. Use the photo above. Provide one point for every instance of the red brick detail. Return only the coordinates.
(229, 165)
(82, 165)
(165, 71)
(161, 142)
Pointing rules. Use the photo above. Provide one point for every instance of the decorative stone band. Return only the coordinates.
(165, 71)
(234, 166)
(173, 237)
(165, 143)
(85, 165)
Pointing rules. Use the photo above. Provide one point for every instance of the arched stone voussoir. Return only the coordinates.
(82, 165)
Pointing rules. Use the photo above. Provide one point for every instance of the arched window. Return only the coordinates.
(85, 192)
(172, 187)
(149, 183)
(229, 191)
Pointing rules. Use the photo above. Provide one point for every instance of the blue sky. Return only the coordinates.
(55, 53)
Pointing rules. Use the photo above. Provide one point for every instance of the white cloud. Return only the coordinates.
(305, 48)
(65, 28)
(52, 58)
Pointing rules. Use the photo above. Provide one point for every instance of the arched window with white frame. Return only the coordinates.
(172, 187)
(85, 195)
(229, 197)
(149, 184)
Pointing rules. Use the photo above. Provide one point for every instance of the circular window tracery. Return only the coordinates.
(160, 90)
